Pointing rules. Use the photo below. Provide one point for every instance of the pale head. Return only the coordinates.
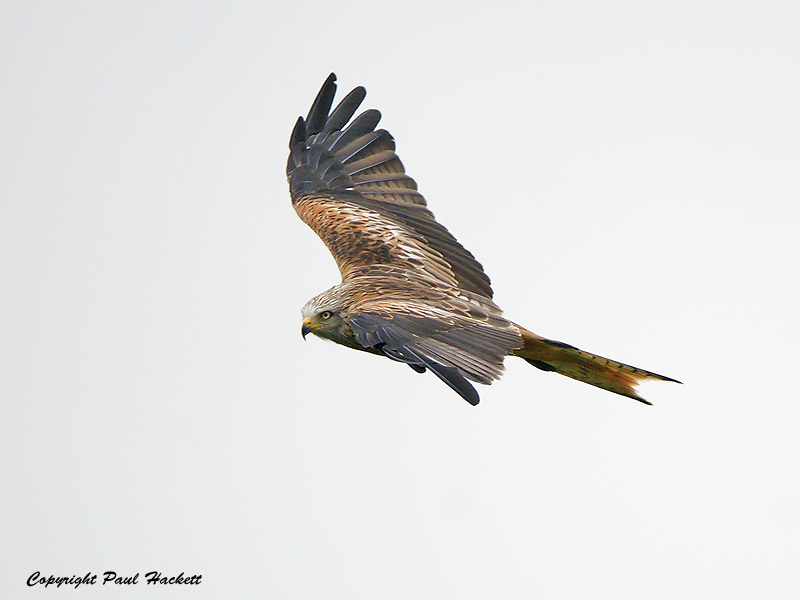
(324, 316)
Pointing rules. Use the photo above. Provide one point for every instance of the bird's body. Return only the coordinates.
(409, 290)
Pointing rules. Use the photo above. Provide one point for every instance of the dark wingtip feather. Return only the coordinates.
(362, 125)
(318, 113)
(450, 375)
(345, 110)
(298, 133)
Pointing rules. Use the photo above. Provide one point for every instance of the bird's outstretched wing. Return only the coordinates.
(445, 336)
(350, 187)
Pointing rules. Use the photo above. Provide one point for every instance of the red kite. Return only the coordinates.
(409, 290)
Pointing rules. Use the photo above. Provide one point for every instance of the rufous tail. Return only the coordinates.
(550, 355)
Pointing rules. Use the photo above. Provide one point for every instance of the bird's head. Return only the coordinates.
(323, 316)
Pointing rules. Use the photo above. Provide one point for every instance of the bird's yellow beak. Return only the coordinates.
(308, 326)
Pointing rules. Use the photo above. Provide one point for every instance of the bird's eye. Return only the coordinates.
(325, 315)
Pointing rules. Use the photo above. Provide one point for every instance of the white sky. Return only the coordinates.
(627, 173)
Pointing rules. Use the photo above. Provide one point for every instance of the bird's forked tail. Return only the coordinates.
(550, 355)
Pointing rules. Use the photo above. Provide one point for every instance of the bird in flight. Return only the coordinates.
(409, 290)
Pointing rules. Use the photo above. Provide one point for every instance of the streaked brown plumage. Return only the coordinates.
(409, 290)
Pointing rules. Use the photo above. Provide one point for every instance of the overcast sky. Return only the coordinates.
(627, 173)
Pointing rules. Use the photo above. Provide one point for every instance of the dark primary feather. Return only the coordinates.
(344, 111)
(318, 113)
(452, 377)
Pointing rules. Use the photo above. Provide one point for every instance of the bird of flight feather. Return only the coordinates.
(409, 290)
